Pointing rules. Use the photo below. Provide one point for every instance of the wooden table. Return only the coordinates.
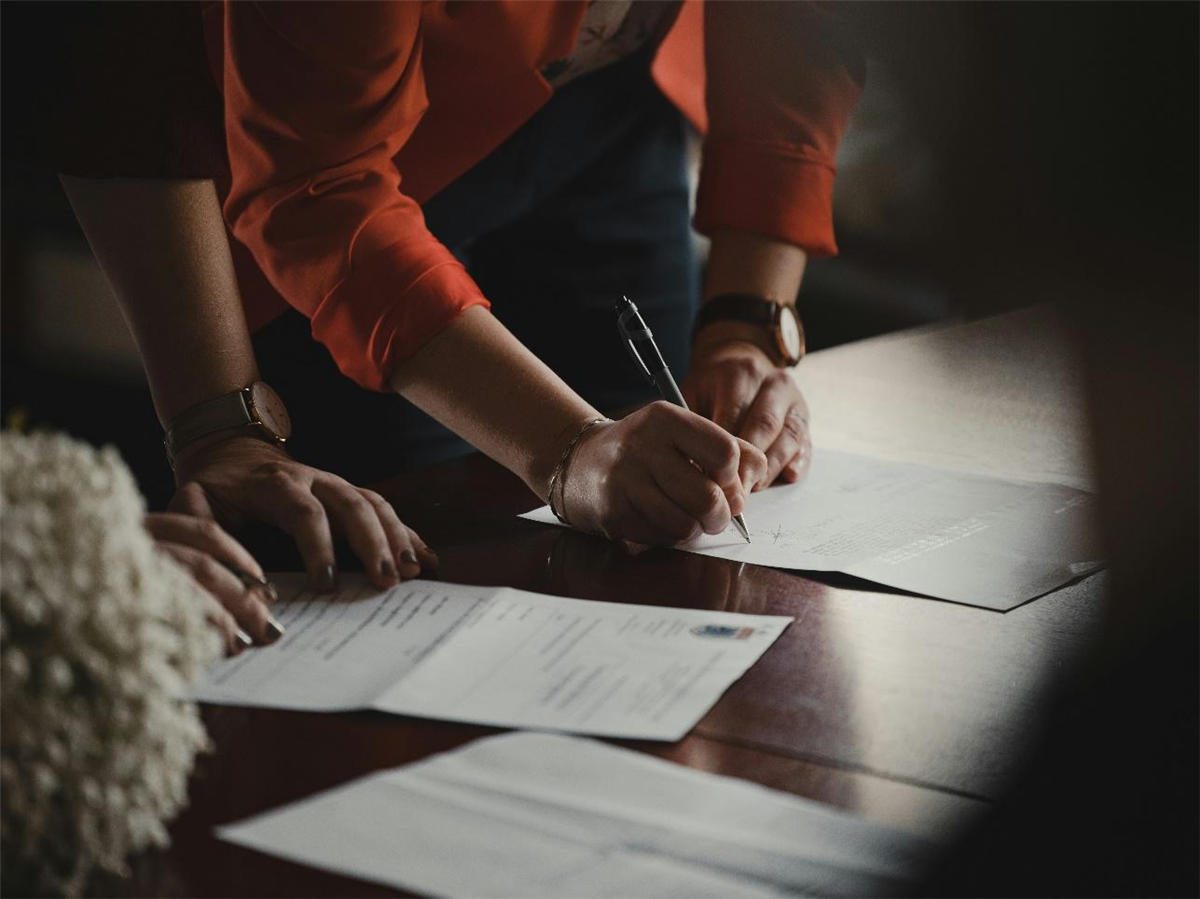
(905, 710)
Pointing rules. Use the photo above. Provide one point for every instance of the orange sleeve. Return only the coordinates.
(318, 99)
(779, 90)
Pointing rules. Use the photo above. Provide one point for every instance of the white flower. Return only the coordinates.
(98, 632)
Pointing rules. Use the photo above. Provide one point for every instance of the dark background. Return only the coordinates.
(1002, 155)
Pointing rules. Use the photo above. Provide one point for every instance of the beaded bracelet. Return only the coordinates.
(557, 474)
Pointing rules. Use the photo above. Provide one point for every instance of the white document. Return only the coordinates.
(973, 539)
(527, 814)
(495, 656)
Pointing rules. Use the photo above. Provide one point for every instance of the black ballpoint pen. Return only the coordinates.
(640, 342)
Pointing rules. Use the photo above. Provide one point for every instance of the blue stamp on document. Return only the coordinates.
(722, 631)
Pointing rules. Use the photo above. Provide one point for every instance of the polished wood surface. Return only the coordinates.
(902, 709)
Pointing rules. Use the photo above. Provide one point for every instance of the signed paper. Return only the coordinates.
(527, 814)
(493, 656)
(970, 538)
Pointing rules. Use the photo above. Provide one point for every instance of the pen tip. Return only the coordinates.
(740, 524)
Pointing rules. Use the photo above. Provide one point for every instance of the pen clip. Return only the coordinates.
(639, 332)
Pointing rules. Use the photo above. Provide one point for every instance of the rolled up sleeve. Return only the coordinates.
(780, 87)
(319, 97)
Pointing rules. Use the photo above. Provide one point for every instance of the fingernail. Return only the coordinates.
(274, 628)
(269, 589)
(248, 580)
(387, 569)
(243, 638)
(408, 557)
(326, 577)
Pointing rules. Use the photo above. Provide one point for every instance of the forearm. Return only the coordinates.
(743, 262)
(163, 247)
(478, 380)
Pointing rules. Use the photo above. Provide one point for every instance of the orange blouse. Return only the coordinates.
(342, 118)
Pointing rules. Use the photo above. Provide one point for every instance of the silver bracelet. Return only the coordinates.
(557, 475)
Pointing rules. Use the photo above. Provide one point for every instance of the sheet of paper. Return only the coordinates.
(528, 814)
(970, 538)
(343, 650)
(496, 656)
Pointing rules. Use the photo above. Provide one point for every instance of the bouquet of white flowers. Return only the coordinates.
(99, 634)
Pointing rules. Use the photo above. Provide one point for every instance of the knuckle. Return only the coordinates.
(276, 470)
(306, 510)
(729, 453)
(357, 503)
(767, 420)
(793, 424)
(374, 498)
(660, 411)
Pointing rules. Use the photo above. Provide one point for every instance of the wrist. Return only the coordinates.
(772, 326)
(545, 458)
(255, 410)
(558, 478)
(719, 334)
(222, 444)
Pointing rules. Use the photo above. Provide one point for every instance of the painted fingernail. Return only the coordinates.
(274, 628)
(243, 638)
(408, 557)
(269, 589)
(248, 580)
(326, 577)
(387, 569)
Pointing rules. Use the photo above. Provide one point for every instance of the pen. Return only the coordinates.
(636, 335)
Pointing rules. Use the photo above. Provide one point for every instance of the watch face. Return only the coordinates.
(791, 336)
(270, 410)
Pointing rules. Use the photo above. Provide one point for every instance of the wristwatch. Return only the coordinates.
(256, 408)
(780, 321)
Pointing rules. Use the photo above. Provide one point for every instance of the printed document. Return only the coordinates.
(969, 538)
(526, 814)
(494, 656)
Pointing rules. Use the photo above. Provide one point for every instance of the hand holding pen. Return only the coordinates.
(660, 476)
(639, 340)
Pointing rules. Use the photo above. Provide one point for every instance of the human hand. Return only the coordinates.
(241, 478)
(662, 475)
(214, 559)
(736, 384)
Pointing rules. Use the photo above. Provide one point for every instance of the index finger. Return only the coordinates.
(707, 444)
(203, 534)
(294, 510)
